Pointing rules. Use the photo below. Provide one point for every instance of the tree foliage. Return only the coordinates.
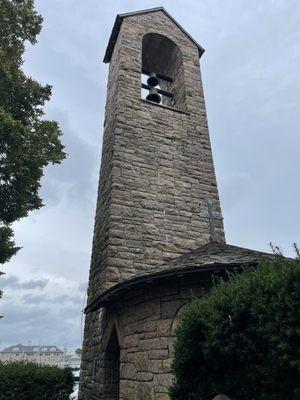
(7, 244)
(28, 142)
(28, 381)
(78, 352)
(243, 339)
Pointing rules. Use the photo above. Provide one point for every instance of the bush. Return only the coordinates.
(27, 381)
(242, 340)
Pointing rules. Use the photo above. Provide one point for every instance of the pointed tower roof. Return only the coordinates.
(119, 20)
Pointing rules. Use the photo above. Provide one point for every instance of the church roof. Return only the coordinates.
(216, 253)
(118, 23)
(214, 257)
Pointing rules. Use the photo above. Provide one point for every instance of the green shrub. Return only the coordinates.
(243, 339)
(27, 381)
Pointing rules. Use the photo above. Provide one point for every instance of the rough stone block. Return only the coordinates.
(170, 308)
(158, 354)
(162, 382)
(153, 344)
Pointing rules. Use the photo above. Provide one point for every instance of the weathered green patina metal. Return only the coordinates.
(212, 218)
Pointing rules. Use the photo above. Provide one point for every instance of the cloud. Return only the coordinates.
(13, 282)
(75, 179)
(41, 325)
(39, 299)
(83, 287)
(34, 299)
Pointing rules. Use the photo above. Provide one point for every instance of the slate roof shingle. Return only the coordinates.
(217, 253)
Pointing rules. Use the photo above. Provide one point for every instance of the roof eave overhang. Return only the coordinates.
(115, 291)
(117, 26)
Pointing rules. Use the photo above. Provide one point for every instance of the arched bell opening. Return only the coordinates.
(162, 71)
(111, 378)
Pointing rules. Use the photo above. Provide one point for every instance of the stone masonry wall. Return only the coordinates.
(145, 321)
(157, 170)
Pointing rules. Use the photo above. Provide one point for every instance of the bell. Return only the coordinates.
(152, 80)
(153, 96)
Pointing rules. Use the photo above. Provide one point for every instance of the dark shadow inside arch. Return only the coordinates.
(112, 368)
(162, 56)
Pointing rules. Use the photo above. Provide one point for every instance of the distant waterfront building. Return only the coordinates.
(44, 355)
(71, 361)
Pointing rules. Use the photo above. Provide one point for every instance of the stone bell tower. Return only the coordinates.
(152, 250)
(157, 170)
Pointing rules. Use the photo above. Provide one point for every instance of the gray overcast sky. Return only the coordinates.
(250, 73)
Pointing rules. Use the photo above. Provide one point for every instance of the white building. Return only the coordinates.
(44, 355)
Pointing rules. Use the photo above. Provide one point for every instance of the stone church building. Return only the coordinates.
(158, 235)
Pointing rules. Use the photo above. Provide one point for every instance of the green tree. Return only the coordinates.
(243, 339)
(28, 142)
(28, 381)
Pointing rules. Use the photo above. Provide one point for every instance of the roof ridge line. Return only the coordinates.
(118, 23)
